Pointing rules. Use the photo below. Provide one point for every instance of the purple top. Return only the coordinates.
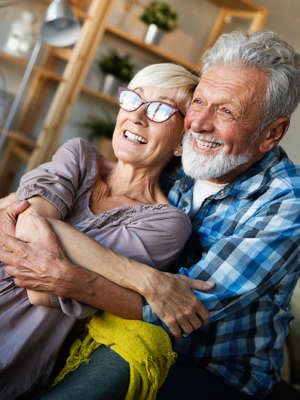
(31, 336)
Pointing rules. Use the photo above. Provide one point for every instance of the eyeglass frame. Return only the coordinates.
(174, 109)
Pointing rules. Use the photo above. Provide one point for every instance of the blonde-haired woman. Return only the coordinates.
(122, 207)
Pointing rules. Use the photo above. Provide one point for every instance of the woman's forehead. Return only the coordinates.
(158, 93)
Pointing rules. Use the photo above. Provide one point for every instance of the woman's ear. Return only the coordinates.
(272, 135)
(178, 151)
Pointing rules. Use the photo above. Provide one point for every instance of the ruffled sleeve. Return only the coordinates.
(60, 180)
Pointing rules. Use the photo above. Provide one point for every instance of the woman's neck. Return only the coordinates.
(138, 184)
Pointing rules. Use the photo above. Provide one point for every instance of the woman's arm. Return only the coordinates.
(47, 268)
(26, 230)
(84, 251)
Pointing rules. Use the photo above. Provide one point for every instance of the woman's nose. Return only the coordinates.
(139, 116)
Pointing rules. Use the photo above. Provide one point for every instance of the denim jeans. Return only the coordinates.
(105, 377)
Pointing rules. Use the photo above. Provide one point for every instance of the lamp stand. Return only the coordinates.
(18, 98)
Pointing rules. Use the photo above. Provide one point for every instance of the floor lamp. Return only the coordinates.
(59, 29)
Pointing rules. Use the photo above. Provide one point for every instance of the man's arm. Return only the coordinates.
(62, 279)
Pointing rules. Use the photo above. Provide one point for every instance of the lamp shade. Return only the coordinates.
(59, 28)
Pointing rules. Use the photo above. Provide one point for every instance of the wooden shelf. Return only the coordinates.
(61, 52)
(100, 95)
(23, 62)
(113, 30)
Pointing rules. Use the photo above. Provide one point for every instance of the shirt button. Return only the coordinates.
(222, 192)
(185, 209)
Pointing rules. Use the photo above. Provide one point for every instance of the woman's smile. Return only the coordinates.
(133, 137)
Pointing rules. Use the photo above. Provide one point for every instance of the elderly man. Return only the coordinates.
(243, 195)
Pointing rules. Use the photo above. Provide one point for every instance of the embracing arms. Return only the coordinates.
(48, 269)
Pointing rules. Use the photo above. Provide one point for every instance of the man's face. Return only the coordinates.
(222, 123)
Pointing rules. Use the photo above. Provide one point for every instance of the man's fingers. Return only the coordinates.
(17, 207)
(7, 201)
(203, 313)
(197, 284)
(174, 328)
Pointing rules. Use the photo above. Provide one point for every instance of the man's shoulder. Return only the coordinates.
(285, 175)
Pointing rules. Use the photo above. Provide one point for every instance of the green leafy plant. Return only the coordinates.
(119, 66)
(100, 127)
(161, 14)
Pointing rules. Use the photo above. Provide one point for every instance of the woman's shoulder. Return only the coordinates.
(79, 146)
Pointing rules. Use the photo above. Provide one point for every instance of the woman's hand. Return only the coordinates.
(171, 298)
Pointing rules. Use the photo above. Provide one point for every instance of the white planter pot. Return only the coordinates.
(110, 85)
(153, 34)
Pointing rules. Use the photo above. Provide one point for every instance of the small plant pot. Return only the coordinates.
(110, 85)
(153, 34)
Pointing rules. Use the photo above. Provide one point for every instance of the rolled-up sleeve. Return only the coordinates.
(58, 181)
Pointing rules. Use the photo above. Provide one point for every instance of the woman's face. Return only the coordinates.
(145, 143)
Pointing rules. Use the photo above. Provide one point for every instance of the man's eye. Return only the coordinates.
(226, 112)
(197, 101)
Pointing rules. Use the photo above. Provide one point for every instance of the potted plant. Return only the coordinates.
(101, 129)
(117, 69)
(161, 18)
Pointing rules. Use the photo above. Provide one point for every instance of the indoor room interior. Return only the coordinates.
(53, 90)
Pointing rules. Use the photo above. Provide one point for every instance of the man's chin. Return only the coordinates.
(204, 167)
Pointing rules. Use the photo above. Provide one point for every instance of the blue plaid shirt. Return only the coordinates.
(246, 239)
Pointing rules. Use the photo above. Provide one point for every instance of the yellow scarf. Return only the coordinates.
(146, 347)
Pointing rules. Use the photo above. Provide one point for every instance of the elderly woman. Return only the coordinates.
(120, 206)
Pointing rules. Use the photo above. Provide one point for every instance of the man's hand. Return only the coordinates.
(36, 265)
(7, 200)
(171, 298)
(9, 213)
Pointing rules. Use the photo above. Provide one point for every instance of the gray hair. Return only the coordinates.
(266, 51)
(168, 75)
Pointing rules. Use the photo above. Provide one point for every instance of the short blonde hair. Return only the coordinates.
(167, 75)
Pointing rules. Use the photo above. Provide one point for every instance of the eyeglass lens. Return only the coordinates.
(156, 111)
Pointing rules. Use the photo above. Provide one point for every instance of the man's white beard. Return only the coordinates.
(201, 166)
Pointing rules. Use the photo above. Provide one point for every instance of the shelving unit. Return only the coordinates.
(70, 83)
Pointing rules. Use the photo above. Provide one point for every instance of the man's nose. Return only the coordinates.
(203, 121)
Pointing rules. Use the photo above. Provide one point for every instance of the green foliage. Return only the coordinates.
(119, 66)
(99, 127)
(160, 14)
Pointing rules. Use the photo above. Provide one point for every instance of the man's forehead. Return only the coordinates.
(225, 81)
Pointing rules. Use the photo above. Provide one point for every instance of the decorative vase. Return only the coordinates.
(110, 84)
(153, 34)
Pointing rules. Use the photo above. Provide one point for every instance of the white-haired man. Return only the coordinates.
(243, 195)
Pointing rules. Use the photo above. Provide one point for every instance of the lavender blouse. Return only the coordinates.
(31, 336)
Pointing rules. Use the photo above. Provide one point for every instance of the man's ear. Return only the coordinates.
(272, 135)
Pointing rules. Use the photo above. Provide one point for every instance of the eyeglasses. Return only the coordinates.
(156, 111)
